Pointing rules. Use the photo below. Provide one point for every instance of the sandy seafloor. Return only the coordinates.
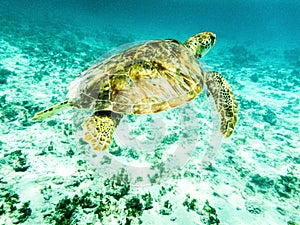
(253, 178)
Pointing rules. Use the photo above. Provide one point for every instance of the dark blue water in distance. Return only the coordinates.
(265, 21)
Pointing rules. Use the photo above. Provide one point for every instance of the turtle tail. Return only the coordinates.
(52, 110)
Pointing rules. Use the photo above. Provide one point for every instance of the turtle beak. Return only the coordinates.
(213, 38)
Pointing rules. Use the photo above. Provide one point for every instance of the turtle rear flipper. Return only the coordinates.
(225, 101)
(99, 129)
(52, 110)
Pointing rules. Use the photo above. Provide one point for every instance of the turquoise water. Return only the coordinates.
(49, 176)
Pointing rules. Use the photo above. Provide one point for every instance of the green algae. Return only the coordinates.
(17, 160)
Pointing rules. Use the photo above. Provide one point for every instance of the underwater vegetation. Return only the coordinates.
(4, 74)
(208, 214)
(12, 206)
(120, 207)
(241, 56)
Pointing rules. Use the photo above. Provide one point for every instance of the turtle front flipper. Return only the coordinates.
(225, 101)
(99, 128)
(52, 110)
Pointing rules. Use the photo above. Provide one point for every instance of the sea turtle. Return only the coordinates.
(146, 78)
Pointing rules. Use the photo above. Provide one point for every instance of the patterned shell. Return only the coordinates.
(147, 78)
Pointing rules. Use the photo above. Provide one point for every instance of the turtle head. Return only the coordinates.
(201, 43)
